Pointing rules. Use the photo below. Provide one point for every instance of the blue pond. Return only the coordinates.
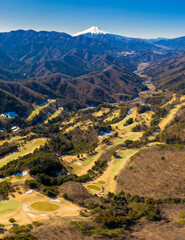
(105, 134)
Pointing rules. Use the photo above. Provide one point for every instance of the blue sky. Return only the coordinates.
(136, 18)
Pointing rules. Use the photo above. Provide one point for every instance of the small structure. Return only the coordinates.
(15, 129)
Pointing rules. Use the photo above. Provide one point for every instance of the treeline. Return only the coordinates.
(123, 211)
(53, 182)
(140, 127)
(156, 117)
(40, 162)
(10, 103)
(75, 142)
(5, 189)
(124, 109)
(174, 132)
(159, 99)
(117, 212)
(7, 148)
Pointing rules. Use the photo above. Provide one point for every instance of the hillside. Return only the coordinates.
(110, 85)
(169, 73)
(11, 103)
(175, 43)
(142, 176)
(29, 53)
(74, 63)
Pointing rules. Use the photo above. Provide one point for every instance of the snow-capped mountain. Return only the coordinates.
(92, 31)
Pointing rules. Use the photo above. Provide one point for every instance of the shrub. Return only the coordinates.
(142, 109)
(37, 224)
(2, 226)
(65, 196)
(33, 184)
(51, 191)
(21, 237)
(22, 228)
(12, 220)
(82, 227)
(129, 121)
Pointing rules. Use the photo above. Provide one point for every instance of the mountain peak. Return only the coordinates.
(92, 30)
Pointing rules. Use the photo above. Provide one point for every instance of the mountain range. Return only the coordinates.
(92, 65)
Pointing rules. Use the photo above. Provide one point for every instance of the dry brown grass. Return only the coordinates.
(60, 229)
(154, 173)
(157, 231)
(144, 229)
(77, 193)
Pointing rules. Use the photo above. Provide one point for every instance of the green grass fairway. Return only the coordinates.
(45, 207)
(37, 109)
(121, 140)
(88, 160)
(13, 139)
(112, 116)
(94, 187)
(7, 207)
(28, 148)
(122, 156)
(101, 112)
(169, 117)
(54, 115)
(102, 182)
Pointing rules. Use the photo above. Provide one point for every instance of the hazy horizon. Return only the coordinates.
(45, 30)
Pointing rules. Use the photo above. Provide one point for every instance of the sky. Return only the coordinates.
(133, 18)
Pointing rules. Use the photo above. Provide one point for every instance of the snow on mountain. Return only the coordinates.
(93, 30)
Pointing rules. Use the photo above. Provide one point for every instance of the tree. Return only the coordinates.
(65, 196)
(12, 220)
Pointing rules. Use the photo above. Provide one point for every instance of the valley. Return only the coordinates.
(92, 134)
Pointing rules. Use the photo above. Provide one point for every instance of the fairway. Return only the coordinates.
(88, 161)
(79, 169)
(7, 207)
(101, 112)
(118, 162)
(114, 168)
(94, 187)
(45, 207)
(163, 123)
(13, 139)
(54, 115)
(37, 109)
(28, 148)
